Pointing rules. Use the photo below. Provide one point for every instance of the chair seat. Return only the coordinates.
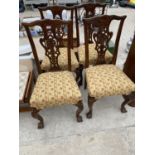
(62, 60)
(107, 80)
(92, 54)
(55, 88)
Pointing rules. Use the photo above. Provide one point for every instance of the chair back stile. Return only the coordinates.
(53, 32)
(99, 28)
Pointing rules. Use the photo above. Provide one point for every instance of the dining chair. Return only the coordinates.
(64, 13)
(57, 86)
(104, 79)
(88, 10)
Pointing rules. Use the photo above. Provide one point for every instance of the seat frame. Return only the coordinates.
(51, 41)
(99, 28)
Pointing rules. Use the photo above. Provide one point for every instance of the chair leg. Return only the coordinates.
(79, 110)
(35, 114)
(128, 99)
(80, 74)
(91, 101)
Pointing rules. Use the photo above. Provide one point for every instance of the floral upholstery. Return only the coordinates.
(92, 54)
(107, 80)
(55, 88)
(62, 60)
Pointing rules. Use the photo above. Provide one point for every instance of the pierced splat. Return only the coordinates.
(99, 26)
(101, 37)
(51, 43)
(53, 32)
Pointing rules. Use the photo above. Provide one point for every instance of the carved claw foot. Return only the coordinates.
(123, 109)
(40, 125)
(89, 115)
(79, 118)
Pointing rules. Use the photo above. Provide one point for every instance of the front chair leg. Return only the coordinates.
(35, 114)
(91, 101)
(128, 99)
(79, 110)
(123, 109)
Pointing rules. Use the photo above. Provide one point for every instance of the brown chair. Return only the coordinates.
(55, 87)
(104, 79)
(57, 11)
(90, 10)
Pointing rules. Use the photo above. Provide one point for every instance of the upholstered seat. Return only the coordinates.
(62, 60)
(92, 54)
(55, 88)
(107, 80)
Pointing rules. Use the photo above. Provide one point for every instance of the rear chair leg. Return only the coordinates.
(91, 101)
(35, 114)
(80, 74)
(79, 110)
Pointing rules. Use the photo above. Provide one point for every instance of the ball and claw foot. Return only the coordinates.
(79, 119)
(89, 115)
(123, 110)
(40, 125)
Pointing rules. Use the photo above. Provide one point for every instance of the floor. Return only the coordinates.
(109, 132)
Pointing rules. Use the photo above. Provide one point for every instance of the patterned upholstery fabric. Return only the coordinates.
(62, 60)
(107, 80)
(23, 79)
(55, 88)
(92, 54)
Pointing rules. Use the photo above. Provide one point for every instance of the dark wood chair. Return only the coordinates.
(104, 79)
(55, 87)
(57, 12)
(90, 10)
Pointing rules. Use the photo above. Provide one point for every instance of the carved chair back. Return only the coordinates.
(57, 12)
(101, 35)
(89, 10)
(53, 32)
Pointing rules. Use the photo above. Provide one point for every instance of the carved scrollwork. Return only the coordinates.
(101, 37)
(51, 42)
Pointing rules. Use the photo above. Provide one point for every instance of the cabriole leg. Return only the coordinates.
(35, 114)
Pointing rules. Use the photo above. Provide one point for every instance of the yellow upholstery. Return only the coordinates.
(92, 54)
(55, 88)
(62, 60)
(107, 80)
